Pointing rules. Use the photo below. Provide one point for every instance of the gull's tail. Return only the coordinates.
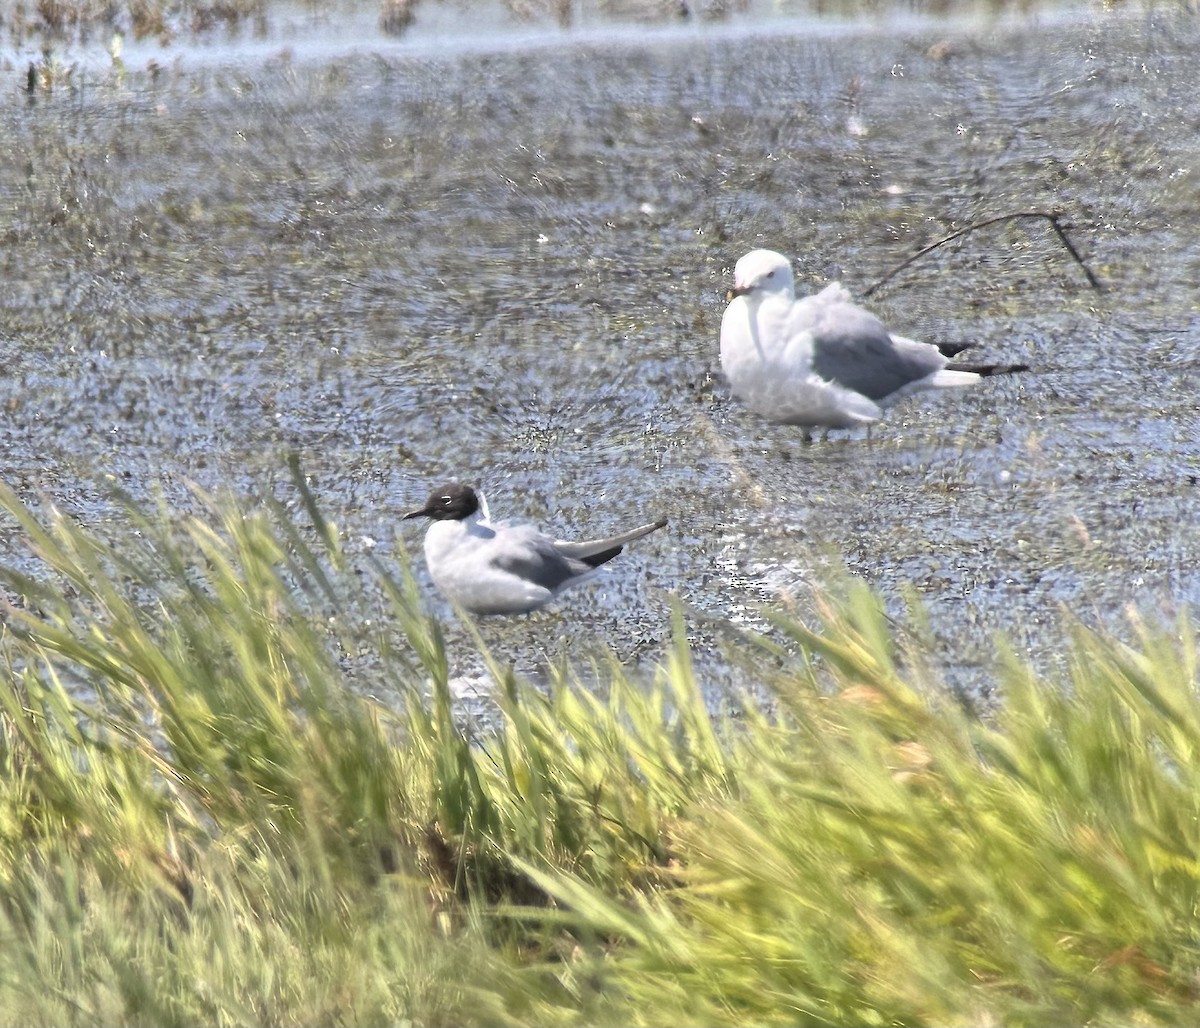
(595, 552)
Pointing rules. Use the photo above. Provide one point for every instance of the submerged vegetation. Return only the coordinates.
(170, 20)
(51, 21)
(204, 820)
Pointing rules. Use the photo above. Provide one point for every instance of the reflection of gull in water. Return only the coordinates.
(492, 567)
(821, 360)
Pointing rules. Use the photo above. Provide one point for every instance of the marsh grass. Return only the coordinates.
(201, 823)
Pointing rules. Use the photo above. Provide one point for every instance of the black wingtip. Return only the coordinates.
(953, 349)
(594, 560)
(987, 370)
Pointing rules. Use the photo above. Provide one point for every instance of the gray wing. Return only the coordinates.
(595, 552)
(534, 557)
(851, 347)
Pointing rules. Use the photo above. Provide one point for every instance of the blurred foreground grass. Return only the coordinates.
(201, 823)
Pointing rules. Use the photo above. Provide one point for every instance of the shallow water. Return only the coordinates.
(507, 267)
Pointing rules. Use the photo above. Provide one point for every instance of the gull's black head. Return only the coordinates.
(451, 502)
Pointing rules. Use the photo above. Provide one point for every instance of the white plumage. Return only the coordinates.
(493, 567)
(822, 361)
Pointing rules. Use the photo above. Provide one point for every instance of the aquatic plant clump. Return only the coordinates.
(70, 20)
(204, 818)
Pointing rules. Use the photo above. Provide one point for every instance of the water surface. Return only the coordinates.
(409, 263)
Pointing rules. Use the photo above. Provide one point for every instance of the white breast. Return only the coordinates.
(459, 557)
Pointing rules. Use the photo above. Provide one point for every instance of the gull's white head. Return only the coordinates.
(762, 271)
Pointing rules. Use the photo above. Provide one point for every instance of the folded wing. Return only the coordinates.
(594, 552)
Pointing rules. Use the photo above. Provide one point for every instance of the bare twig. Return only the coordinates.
(1050, 216)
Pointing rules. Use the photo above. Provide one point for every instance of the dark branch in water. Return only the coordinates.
(1050, 216)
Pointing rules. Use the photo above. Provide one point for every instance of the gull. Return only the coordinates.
(494, 567)
(823, 361)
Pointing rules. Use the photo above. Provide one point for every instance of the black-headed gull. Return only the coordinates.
(494, 567)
